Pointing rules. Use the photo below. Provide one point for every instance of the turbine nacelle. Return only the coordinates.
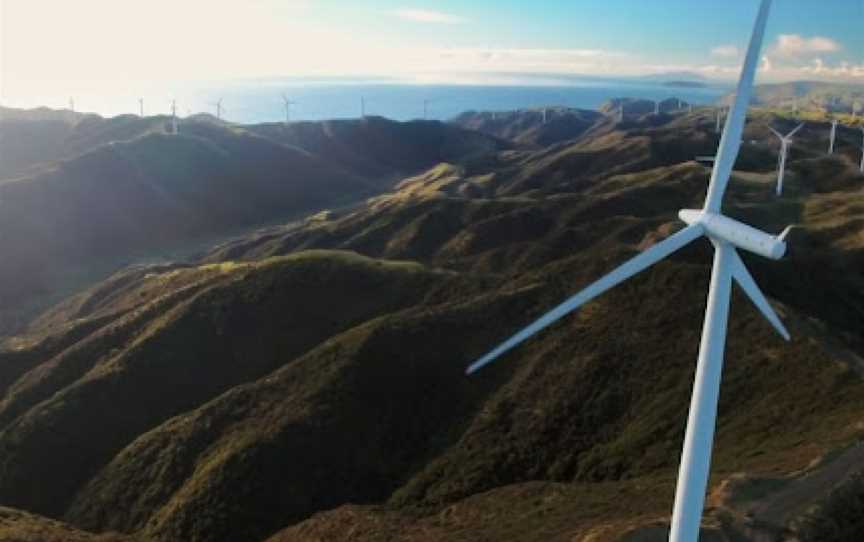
(723, 228)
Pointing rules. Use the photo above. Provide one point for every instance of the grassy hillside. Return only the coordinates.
(18, 526)
(810, 96)
(124, 190)
(381, 148)
(528, 127)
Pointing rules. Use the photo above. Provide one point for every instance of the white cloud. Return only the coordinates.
(428, 16)
(725, 51)
(795, 45)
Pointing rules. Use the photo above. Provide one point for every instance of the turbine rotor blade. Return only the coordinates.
(744, 279)
(730, 141)
(620, 274)
(778, 134)
(793, 132)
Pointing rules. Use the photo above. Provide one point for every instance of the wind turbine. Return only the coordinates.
(862, 149)
(719, 119)
(727, 235)
(218, 105)
(174, 117)
(657, 107)
(621, 113)
(833, 137)
(72, 104)
(785, 141)
(288, 103)
(141, 107)
(545, 114)
(362, 107)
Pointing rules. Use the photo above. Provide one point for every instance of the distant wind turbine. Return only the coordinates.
(141, 107)
(657, 107)
(218, 106)
(861, 167)
(362, 107)
(621, 113)
(719, 119)
(727, 235)
(287, 103)
(545, 115)
(174, 117)
(72, 104)
(785, 141)
(833, 137)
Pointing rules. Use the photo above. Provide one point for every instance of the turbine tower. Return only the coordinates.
(833, 137)
(362, 107)
(218, 105)
(72, 104)
(727, 236)
(862, 150)
(174, 117)
(621, 113)
(785, 141)
(287, 103)
(719, 119)
(141, 107)
(657, 107)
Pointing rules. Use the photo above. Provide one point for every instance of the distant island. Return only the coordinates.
(684, 84)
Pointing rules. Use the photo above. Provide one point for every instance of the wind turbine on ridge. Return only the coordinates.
(174, 117)
(218, 105)
(785, 141)
(833, 138)
(287, 102)
(862, 150)
(141, 107)
(727, 236)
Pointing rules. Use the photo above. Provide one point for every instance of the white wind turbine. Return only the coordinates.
(657, 107)
(174, 117)
(719, 119)
(141, 107)
(862, 150)
(833, 137)
(727, 235)
(218, 105)
(785, 141)
(287, 103)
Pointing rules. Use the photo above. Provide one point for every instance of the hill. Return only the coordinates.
(809, 95)
(306, 382)
(533, 128)
(101, 193)
(380, 148)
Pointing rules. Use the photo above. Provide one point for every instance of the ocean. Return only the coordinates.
(258, 101)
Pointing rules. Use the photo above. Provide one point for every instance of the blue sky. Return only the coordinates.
(103, 43)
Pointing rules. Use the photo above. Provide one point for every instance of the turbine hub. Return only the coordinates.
(718, 226)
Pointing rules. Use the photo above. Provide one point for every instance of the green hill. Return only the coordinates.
(102, 193)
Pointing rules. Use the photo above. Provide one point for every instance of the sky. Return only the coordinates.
(82, 44)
